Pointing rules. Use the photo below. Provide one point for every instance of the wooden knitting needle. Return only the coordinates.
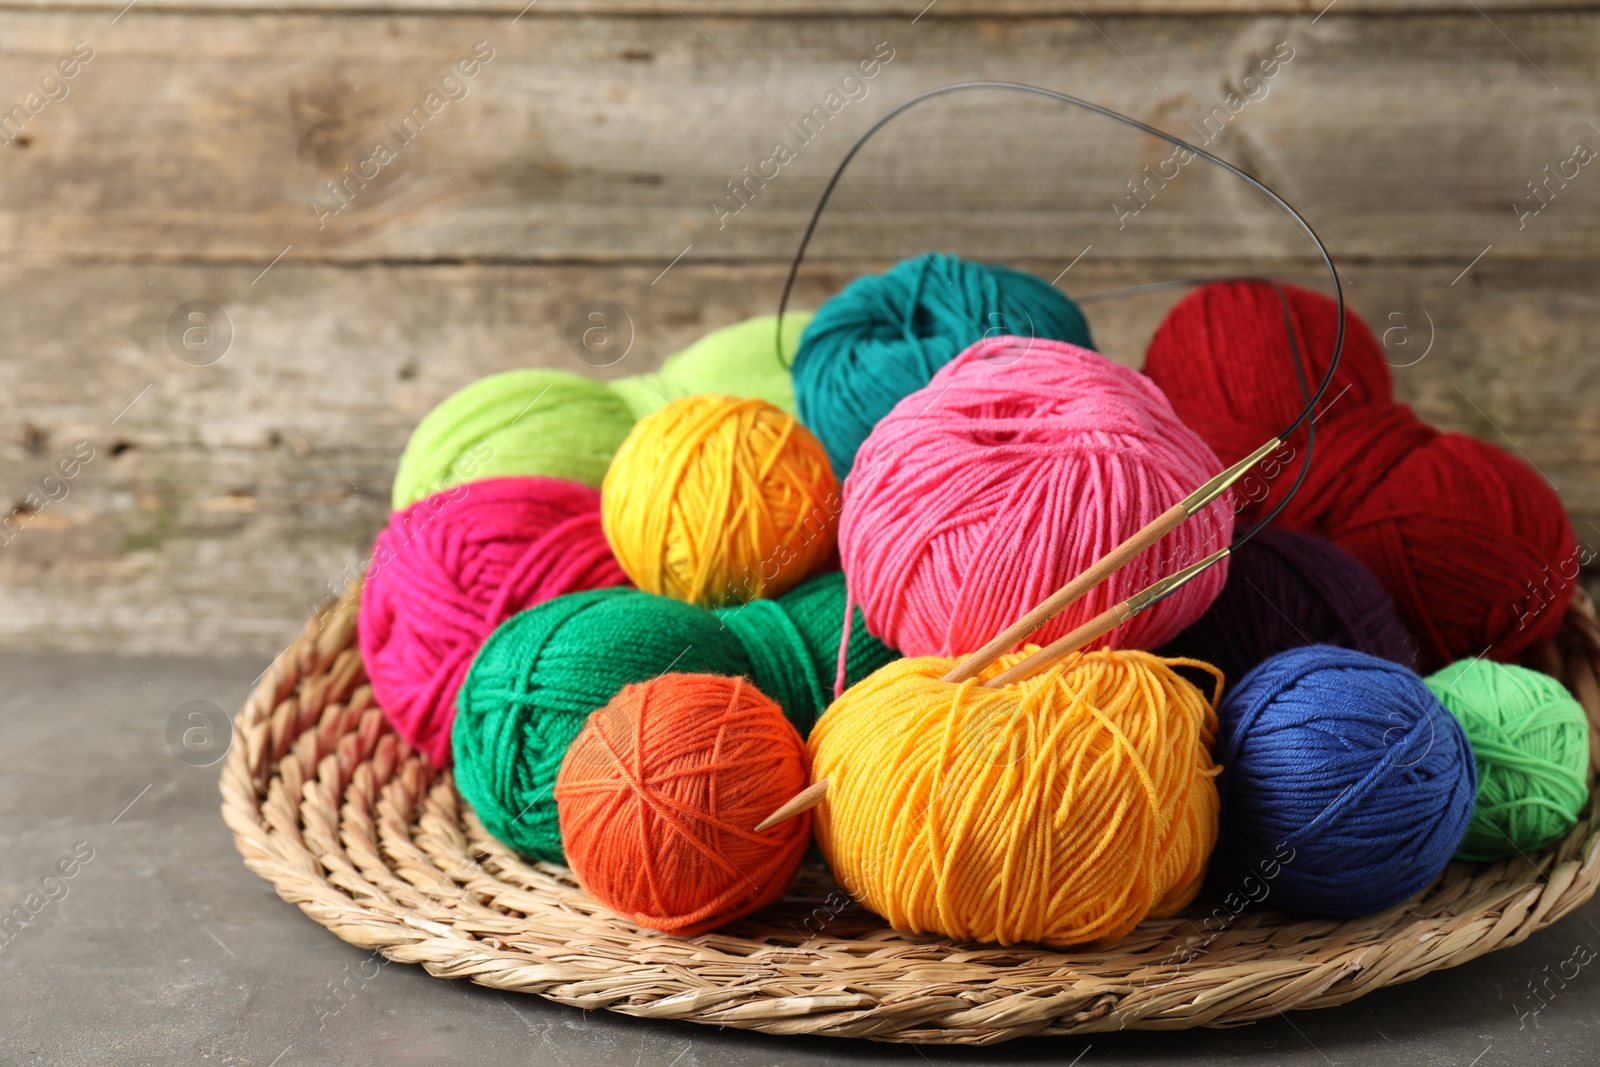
(1101, 624)
(1105, 567)
(1067, 595)
(1056, 651)
(805, 800)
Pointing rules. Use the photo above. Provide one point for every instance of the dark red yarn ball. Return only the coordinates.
(1472, 543)
(1286, 590)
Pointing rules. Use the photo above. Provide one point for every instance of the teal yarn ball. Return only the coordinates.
(544, 671)
(884, 335)
(1530, 740)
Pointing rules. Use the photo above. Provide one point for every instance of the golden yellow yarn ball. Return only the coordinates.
(718, 500)
(1061, 809)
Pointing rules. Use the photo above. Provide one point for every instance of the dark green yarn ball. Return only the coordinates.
(541, 674)
(538, 677)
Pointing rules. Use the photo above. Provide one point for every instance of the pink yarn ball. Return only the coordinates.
(453, 566)
(1021, 463)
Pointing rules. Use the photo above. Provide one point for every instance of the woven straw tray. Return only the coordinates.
(368, 839)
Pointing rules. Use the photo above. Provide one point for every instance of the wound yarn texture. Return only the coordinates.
(450, 568)
(1345, 769)
(562, 425)
(522, 422)
(544, 671)
(1472, 543)
(1285, 590)
(659, 796)
(739, 360)
(884, 336)
(1061, 809)
(1017, 467)
(1530, 739)
(716, 500)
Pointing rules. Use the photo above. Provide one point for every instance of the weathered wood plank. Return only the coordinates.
(227, 498)
(196, 138)
(919, 9)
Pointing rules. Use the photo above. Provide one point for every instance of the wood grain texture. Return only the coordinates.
(198, 138)
(227, 499)
(584, 157)
(908, 9)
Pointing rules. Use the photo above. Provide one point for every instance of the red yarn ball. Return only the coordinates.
(660, 794)
(450, 568)
(1472, 543)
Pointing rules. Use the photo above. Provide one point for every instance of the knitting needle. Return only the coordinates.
(1106, 566)
(1068, 594)
(805, 800)
(1101, 624)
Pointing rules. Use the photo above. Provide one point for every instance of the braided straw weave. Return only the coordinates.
(346, 821)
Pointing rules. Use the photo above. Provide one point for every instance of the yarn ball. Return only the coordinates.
(563, 425)
(660, 793)
(1019, 465)
(1530, 739)
(1346, 776)
(450, 568)
(1061, 809)
(542, 672)
(1472, 543)
(884, 335)
(717, 499)
(527, 422)
(741, 360)
(1285, 590)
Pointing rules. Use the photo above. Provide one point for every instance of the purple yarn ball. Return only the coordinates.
(1288, 590)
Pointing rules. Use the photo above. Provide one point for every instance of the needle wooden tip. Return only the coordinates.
(805, 800)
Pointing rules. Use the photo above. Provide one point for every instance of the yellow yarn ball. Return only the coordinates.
(1061, 809)
(717, 500)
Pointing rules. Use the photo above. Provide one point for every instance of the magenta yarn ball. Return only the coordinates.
(1021, 463)
(453, 566)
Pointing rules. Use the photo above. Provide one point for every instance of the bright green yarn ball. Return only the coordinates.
(541, 674)
(522, 422)
(562, 425)
(1530, 740)
(740, 360)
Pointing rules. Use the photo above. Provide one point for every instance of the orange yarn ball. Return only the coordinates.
(659, 795)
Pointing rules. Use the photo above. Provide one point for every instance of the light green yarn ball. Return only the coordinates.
(562, 425)
(522, 422)
(1530, 740)
(739, 360)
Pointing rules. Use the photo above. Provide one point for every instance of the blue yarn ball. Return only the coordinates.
(1346, 785)
(884, 335)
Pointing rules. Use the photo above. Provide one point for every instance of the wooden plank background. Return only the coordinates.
(584, 158)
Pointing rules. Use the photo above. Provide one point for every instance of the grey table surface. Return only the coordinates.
(164, 949)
